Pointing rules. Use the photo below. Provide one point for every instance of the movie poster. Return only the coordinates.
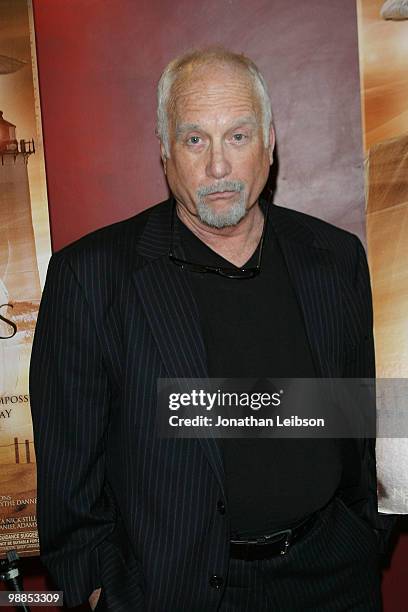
(384, 74)
(24, 254)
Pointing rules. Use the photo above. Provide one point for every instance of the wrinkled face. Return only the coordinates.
(218, 163)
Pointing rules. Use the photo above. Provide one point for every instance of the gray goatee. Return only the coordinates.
(235, 212)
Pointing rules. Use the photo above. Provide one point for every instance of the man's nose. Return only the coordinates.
(218, 165)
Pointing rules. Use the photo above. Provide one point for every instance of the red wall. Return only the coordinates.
(99, 61)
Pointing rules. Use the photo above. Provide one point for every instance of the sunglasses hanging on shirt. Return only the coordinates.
(227, 272)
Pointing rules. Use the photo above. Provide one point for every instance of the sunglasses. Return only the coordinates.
(227, 272)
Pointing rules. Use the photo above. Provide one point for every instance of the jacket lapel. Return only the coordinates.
(316, 283)
(172, 312)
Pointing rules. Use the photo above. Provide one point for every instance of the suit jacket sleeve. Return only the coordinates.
(360, 363)
(70, 398)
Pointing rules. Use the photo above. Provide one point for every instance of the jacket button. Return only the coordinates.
(216, 582)
(221, 506)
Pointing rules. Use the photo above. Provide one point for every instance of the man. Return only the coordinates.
(218, 284)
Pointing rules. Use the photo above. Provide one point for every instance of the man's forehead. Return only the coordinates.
(211, 79)
(211, 92)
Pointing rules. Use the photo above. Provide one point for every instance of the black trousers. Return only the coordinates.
(335, 568)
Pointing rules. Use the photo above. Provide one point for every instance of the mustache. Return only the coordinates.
(221, 187)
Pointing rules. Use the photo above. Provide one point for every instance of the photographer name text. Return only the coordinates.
(248, 421)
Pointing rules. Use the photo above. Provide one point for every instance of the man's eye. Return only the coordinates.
(239, 137)
(194, 140)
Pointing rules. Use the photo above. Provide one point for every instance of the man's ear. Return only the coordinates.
(271, 143)
(163, 157)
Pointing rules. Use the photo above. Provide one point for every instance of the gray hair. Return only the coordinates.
(198, 58)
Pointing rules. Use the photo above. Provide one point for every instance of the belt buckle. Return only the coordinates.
(287, 542)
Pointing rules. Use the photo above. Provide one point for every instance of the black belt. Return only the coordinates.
(272, 545)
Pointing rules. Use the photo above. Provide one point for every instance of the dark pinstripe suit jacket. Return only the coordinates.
(118, 506)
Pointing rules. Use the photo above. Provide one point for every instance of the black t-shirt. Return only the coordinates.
(253, 328)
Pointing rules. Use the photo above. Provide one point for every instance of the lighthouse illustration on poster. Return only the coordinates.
(24, 253)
